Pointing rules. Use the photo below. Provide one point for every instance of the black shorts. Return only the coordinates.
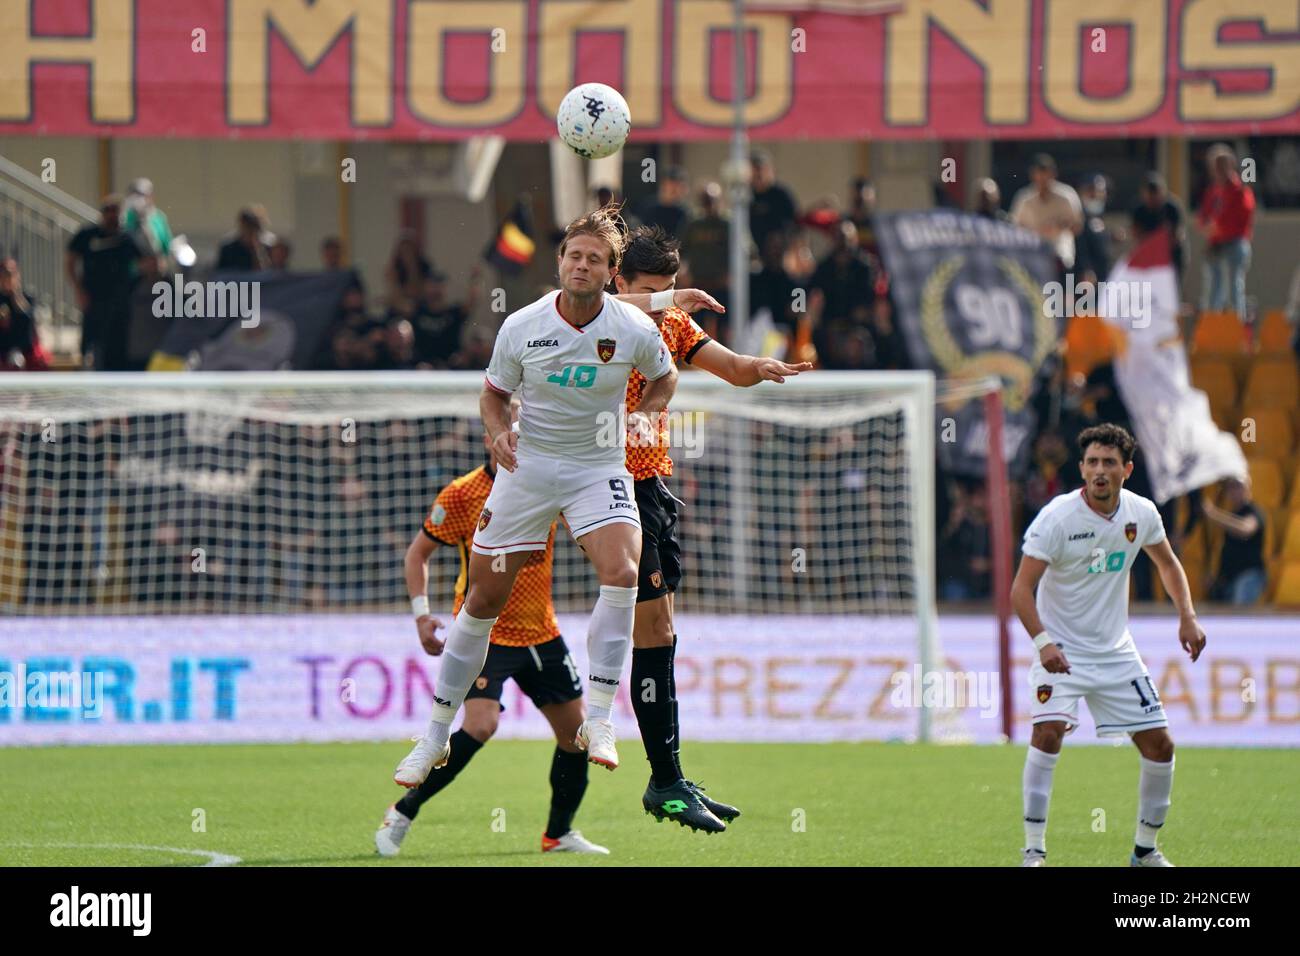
(661, 555)
(545, 672)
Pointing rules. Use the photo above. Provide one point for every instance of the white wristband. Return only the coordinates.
(1042, 640)
(420, 605)
(661, 300)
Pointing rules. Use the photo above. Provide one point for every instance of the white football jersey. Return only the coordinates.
(572, 381)
(1083, 594)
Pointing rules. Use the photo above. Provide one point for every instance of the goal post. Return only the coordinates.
(297, 493)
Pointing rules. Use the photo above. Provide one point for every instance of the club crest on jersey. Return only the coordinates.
(484, 518)
(605, 349)
(1044, 693)
(481, 683)
(656, 579)
(1131, 531)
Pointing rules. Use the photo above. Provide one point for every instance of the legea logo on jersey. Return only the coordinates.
(1103, 562)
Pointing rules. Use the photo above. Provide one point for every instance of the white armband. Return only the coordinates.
(1042, 640)
(420, 605)
(661, 300)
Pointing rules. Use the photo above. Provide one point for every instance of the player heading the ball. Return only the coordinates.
(568, 356)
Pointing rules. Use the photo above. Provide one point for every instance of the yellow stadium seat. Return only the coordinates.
(1089, 342)
(1273, 381)
(1214, 377)
(1291, 543)
(1267, 486)
(1287, 593)
(1274, 333)
(1219, 333)
(1271, 430)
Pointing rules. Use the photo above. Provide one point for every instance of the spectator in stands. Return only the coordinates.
(603, 196)
(477, 350)
(398, 348)
(438, 323)
(846, 279)
(1047, 477)
(842, 293)
(280, 253)
(706, 246)
(667, 209)
(771, 288)
(1242, 577)
(773, 208)
(153, 232)
(247, 250)
(407, 270)
(1227, 219)
(356, 339)
(20, 347)
(101, 264)
(862, 207)
(1049, 208)
(331, 254)
(965, 565)
(1093, 257)
(988, 201)
(1159, 211)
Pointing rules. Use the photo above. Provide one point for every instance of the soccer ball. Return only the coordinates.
(594, 120)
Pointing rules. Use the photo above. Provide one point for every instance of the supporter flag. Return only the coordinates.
(968, 297)
(1182, 446)
(512, 249)
(287, 329)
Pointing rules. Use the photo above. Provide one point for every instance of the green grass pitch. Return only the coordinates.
(804, 805)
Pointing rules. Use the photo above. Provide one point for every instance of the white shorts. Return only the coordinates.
(525, 502)
(1121, 696)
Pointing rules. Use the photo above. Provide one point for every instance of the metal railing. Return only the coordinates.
(36, 222)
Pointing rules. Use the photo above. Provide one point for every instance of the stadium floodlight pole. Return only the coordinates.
(739, 246)
(1000, 544)
(738, 310)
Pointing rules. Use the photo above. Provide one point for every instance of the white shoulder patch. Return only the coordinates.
(438, 515)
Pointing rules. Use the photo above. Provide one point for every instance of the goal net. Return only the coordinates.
(159, 494)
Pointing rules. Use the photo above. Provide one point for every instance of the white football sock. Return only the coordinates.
(1155, 784)
(462, 659)
(1037, 785)
(608, 638)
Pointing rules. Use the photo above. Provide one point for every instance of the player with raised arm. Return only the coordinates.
(1078, 552)
(646, 278)
(526, 646)
(569, 356)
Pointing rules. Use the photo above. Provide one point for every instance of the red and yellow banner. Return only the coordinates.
(443, 69)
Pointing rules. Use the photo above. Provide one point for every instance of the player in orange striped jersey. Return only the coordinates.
(646, 277)
(525, 644)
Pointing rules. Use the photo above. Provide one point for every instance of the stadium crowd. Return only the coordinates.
(817, 287)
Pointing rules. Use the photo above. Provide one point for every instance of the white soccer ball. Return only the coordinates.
(594, 120)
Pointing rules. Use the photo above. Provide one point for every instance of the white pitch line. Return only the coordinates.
(214, 859)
